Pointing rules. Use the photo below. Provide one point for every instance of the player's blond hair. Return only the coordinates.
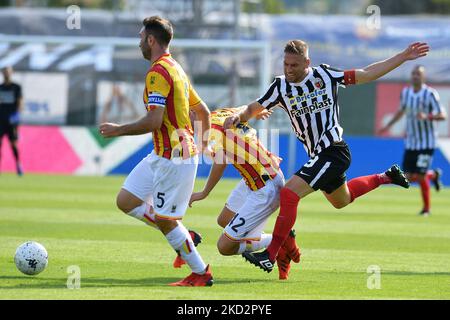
(299, 47)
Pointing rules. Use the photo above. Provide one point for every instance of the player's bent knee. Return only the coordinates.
(126, 201)
(340, 205)
(226, 247)
(122, 205)
(221, 221)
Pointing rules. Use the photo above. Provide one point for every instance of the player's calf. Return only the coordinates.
(166, 225)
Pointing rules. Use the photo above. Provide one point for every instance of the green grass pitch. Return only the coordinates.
(120, 258)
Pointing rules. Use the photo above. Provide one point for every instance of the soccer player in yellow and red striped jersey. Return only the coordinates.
(157, 191)
(255, 197)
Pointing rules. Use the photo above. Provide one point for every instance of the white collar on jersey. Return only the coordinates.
(308, 76)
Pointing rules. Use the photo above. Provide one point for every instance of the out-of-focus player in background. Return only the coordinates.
(255, 197)
(11, 104)
(158, 189)
(118, 108)
(310, 97)
(422, 107)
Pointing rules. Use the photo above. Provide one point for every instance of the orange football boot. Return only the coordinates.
(291, 247)
(284, 264)
(196, 280)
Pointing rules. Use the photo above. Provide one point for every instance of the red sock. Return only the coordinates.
(285, 221)
(430, 175)
(361, 185)
(425, 188)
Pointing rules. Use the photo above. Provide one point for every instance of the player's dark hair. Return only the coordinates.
(160, 28)
(296, 47)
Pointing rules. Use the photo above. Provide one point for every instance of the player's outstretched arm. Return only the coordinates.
(248, 112)
(148, 123)
(394, 120)
(216, 173)
(379, 69)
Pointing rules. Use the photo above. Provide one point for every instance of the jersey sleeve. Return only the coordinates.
(340, 77)
(19, 92)
(216, 143)
(271, 98)
(403, 100)
(158, 87)
(435, 102)
(194, 98)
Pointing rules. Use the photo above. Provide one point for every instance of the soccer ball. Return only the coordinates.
(31, 258)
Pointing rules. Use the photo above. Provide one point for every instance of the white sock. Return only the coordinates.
(251, 246)
(144, 213)
(180, 239)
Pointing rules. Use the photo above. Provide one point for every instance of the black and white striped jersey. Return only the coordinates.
(420, 134)
(312, 105)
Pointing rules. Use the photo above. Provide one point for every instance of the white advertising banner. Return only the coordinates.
(45, 97)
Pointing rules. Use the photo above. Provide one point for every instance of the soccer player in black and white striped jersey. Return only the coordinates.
(421, 105)
(310, 97)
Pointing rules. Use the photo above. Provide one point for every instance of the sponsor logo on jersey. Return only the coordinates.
(313, 108)
(307, 96)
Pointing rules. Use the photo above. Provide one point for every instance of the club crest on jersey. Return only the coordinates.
(318, 83)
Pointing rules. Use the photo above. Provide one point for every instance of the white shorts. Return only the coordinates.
(252, 209)
(165, 184)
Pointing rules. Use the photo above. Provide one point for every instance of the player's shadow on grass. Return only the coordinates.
(55, 283)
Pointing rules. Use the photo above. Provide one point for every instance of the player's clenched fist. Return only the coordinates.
(109, 130)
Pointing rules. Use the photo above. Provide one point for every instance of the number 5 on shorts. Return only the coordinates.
(160, 197)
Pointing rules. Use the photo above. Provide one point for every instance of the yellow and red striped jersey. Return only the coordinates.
(167, 86)
(241, 147)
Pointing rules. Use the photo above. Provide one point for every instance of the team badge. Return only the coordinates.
(318, 83)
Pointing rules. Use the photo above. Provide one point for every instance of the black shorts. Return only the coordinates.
(417, 161)
(10, 130)
(326, 171)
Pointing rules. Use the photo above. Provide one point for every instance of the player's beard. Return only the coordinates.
(146, 51)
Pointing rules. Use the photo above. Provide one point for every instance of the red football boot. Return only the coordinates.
(197, 239)
(196, 280)
(284, 264)
(291, 247)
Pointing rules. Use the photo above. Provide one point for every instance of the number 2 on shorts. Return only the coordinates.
(240, 224)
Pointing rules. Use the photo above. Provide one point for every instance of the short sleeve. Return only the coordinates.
(194, 98)
(403, 100)
(158, 86)
(271, 97)
(340, 77)
(435, 102)
(19, 92)
(216, 143)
